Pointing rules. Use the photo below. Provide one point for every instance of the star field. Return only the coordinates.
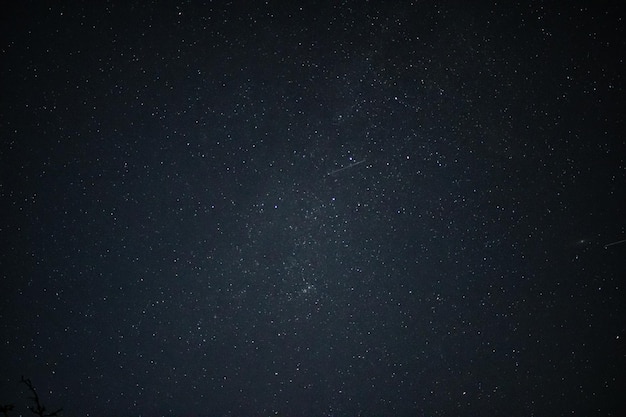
(313, 209)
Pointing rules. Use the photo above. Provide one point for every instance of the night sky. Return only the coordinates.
(334, 209)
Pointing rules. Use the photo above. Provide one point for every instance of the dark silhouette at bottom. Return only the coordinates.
(37, 407)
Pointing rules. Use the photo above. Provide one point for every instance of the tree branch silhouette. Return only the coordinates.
(38, 408)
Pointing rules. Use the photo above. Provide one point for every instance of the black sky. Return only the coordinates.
(313, 209)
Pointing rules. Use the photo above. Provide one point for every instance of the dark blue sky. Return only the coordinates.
(300, 209)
